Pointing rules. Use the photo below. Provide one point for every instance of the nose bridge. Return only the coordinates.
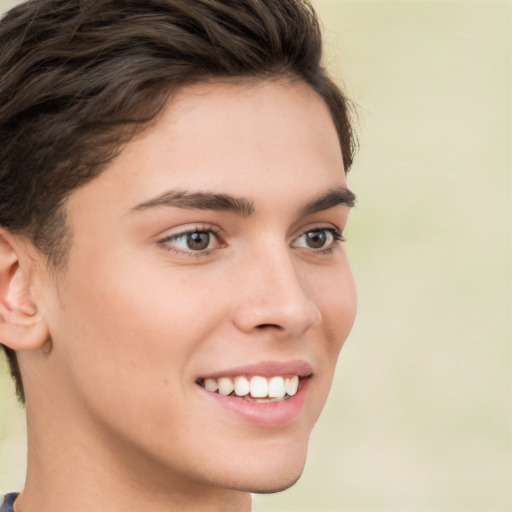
(273, 295)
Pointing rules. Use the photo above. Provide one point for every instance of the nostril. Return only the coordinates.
(276, 315)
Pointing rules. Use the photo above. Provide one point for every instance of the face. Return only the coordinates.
(207, 293)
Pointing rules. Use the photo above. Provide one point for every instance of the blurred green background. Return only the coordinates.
(419, 418)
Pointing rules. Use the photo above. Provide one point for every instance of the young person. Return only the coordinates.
(174, 290)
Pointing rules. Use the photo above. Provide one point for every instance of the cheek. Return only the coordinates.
(335, 297)
(125, 345)
(121, 323)
(333, 292)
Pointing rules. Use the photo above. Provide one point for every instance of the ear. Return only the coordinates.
(22, 324)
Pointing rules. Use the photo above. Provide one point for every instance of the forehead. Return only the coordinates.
(255, 139)
(237, 129)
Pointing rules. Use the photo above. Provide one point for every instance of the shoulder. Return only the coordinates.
(7, 502)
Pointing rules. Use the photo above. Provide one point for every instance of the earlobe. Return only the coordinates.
(22, 325)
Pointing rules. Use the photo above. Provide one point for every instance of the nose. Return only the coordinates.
(271, 296)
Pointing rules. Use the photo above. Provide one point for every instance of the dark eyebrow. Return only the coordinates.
(199, 201)
(331, 198)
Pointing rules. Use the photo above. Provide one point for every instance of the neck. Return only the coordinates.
(70, 470)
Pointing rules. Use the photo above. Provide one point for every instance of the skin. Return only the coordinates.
(116, 420)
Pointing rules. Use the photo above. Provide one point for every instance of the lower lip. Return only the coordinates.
(272, 414)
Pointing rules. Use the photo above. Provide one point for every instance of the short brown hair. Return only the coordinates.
(78, 78)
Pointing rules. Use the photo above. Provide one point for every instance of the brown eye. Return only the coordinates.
(316, 239)
(198, 240)
(195, 241)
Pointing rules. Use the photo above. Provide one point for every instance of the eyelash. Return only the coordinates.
(190, 252)
(337, 238)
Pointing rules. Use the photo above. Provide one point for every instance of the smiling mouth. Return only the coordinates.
(256, 388)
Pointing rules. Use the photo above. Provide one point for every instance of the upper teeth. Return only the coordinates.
(257, 387)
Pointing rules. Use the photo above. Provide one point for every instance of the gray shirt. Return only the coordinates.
(8, 502)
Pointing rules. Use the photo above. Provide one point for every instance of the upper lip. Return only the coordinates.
(265, 369)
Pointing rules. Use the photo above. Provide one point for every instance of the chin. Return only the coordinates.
(269, 484)
(273, 487)
(267, 476)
